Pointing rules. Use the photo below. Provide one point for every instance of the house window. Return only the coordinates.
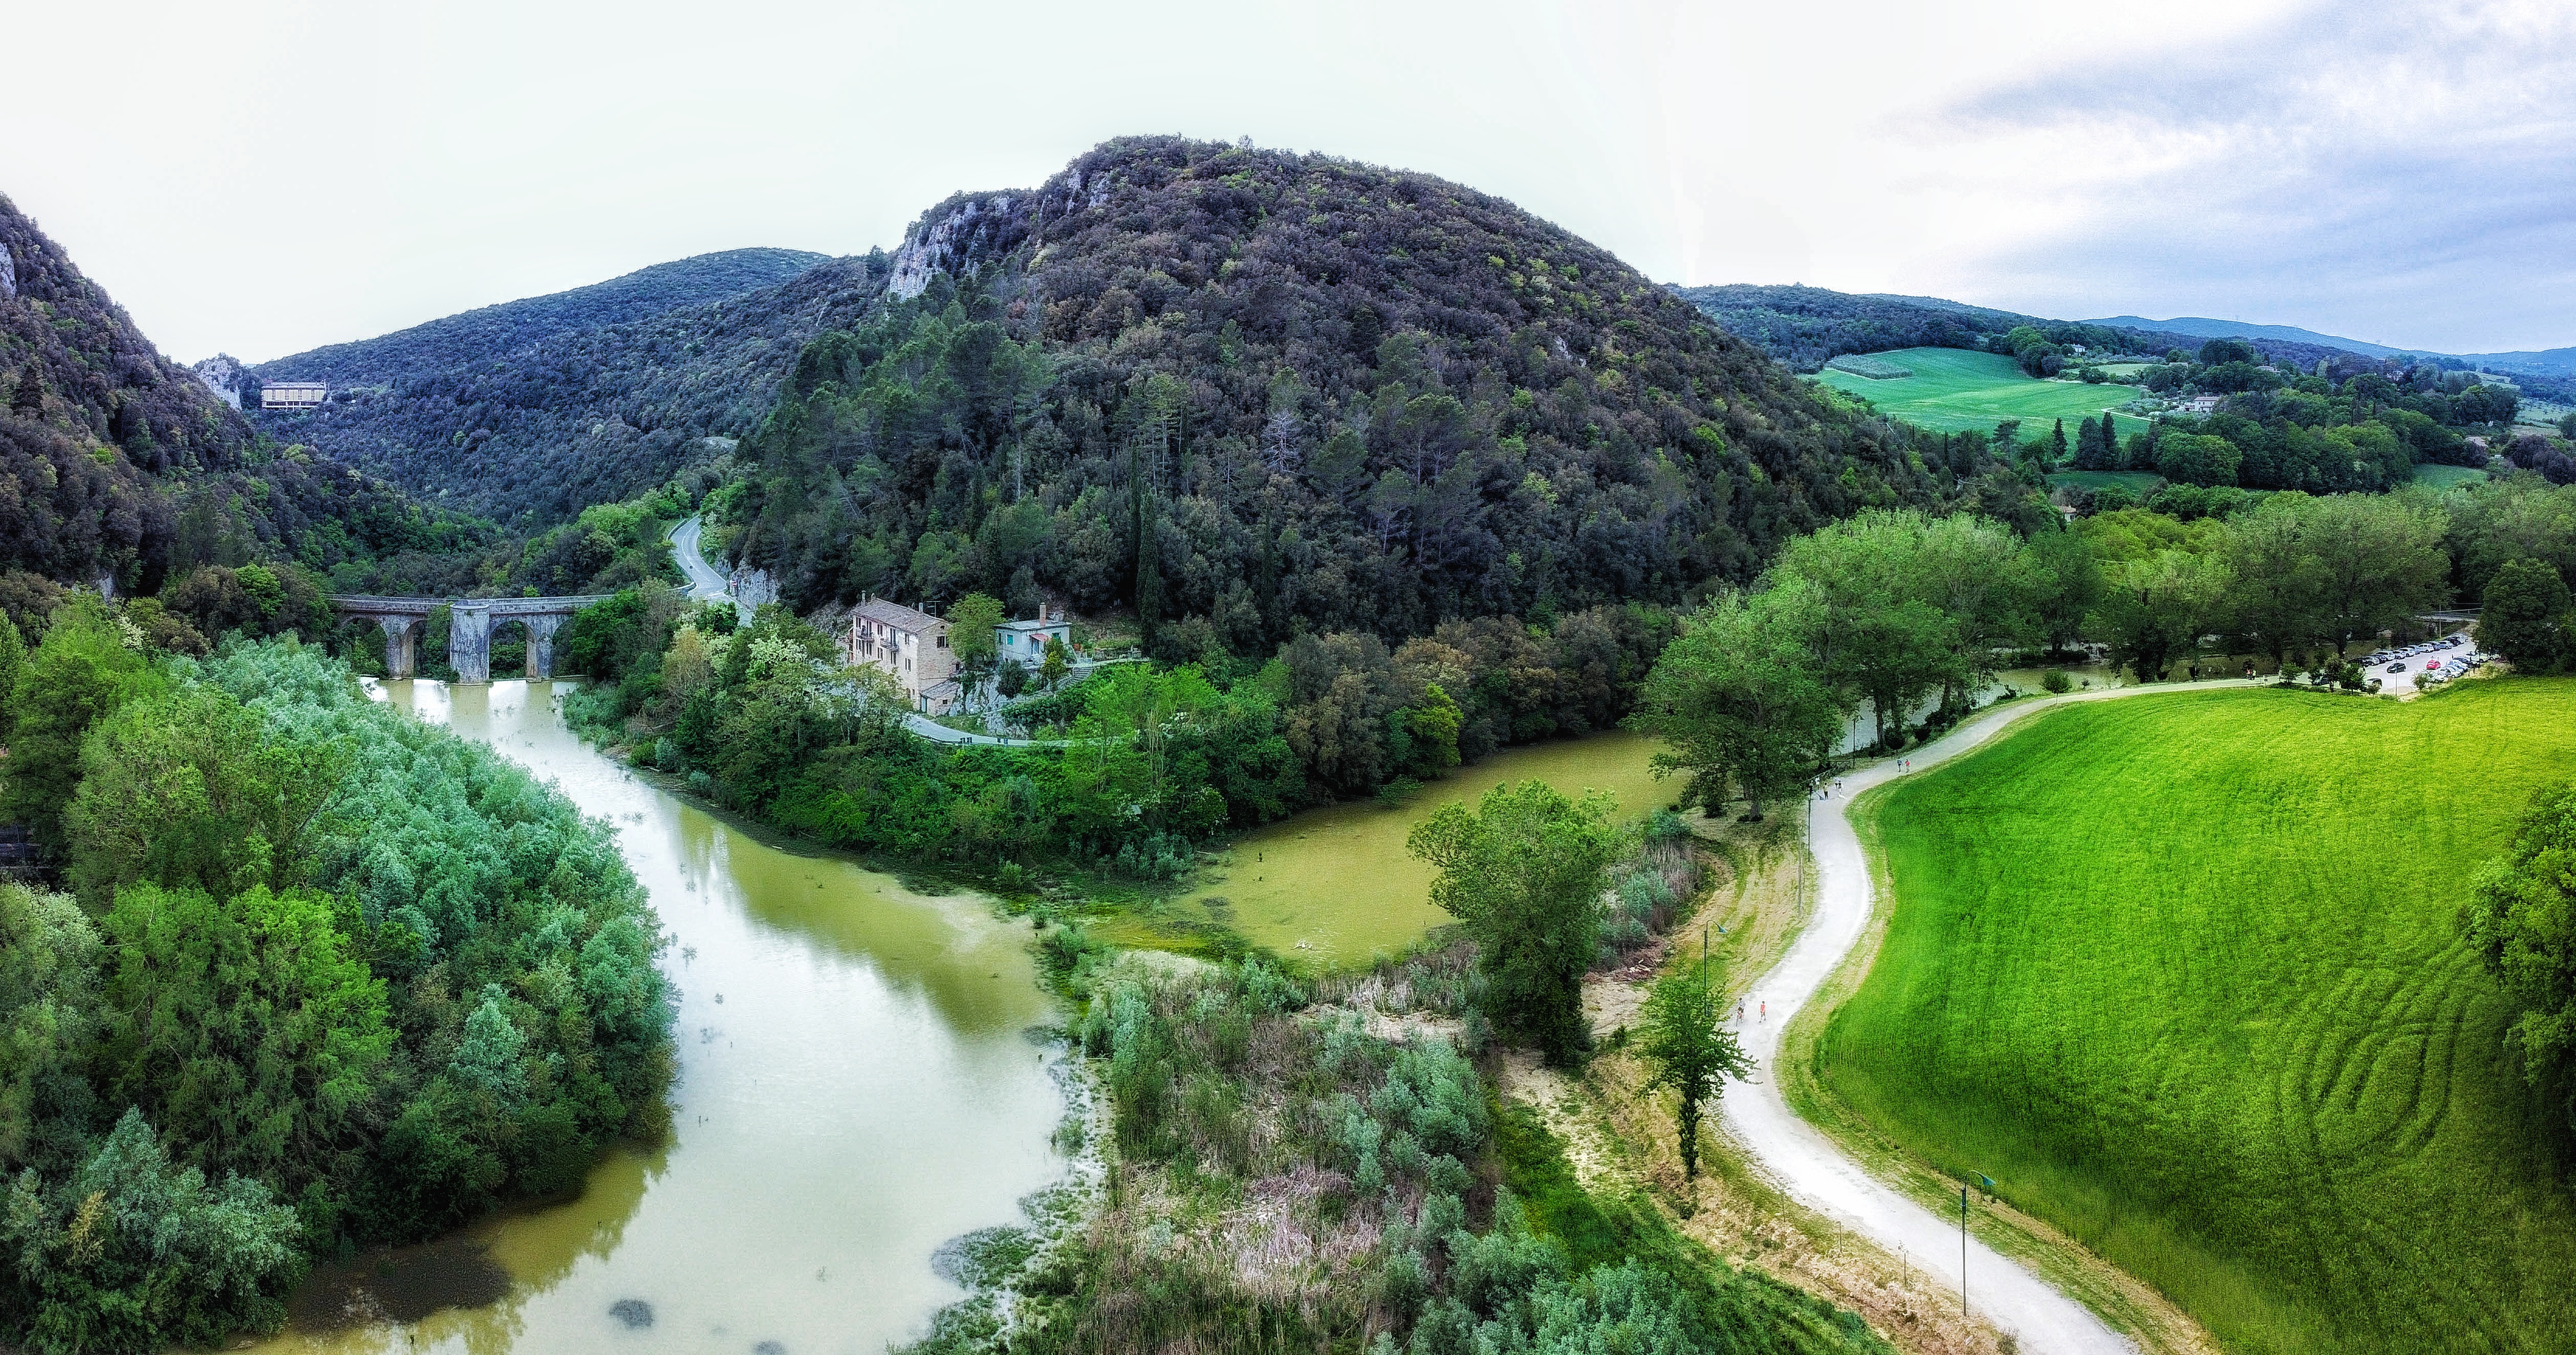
(943, 642)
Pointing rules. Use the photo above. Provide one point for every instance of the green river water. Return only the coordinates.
(1336, 884)
(856, 1088)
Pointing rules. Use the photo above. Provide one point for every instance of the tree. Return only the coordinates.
(1689, 1051)
(83, 669)
(1740, 701)
(1524, 872)
(49, 958)
(2526, 615)
(972, 624)
(1054, 662)
(192, 788)
(2064, 584)
(2056, 447)
(2383, 560)
(2158, 606)
(2278, 601)
(245, 1026)
(2091, 452)
(2197, 459)
(2521, 918)
(13, 657)
(1878, 634)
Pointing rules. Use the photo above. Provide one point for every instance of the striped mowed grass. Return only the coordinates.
(1954, 391)
(2183, 974)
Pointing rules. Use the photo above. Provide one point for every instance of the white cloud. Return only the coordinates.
(278, 174)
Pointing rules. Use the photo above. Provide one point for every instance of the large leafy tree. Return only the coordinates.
(244, 1026)
(2156, 607)
(1523, 871)
(2278, 600)
(1691, 1054)
(1740, 701)
(192, 788)
(2526, 615)
(2521, 917)
(2382, 557)
(86, 666)
(49, 958)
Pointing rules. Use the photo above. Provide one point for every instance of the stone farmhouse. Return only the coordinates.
(912, 645)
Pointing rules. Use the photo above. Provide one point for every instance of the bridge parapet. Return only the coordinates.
(469, 628)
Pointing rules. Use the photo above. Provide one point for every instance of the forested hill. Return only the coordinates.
(115, 462)
(1254, 393)
(495, 332)
(590, 396)
(1806, 327)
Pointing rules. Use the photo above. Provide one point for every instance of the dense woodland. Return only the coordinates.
(326, 975)
(1281, 393)
(478, 338)
(117, 464)
(581, 414)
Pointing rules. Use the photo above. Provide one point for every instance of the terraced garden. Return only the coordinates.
(1951, 390)
(2183, 976)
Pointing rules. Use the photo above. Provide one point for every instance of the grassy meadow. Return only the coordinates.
(2443, 477)
(1953, 391)
(2183, 975)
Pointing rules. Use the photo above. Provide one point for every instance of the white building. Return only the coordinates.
(1025, 642)
(294, 394)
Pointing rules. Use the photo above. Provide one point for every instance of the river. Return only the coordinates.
(856, 1087)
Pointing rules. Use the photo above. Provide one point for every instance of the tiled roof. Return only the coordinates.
(897, 615)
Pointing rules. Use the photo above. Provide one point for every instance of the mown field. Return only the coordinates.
(1953, 390)
(2443, 477)
(2183, 975)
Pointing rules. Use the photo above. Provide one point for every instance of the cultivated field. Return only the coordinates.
(2138, 482)
(2443, 477)
(1953, 390)
(2183, 976)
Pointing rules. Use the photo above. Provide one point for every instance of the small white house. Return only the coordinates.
(1025, 642)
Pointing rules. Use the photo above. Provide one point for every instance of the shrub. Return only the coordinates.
(2055, 680)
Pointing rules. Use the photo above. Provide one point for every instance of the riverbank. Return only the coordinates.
(857, 1089)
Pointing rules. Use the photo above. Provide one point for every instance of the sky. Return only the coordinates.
(268, 176)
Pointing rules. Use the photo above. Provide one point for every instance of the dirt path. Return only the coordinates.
(1810, 1167)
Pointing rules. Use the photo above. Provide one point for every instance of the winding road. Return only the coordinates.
(1807, 1164)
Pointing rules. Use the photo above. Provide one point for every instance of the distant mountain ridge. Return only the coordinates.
(489, 331)
(533, 410)
(2527, 362)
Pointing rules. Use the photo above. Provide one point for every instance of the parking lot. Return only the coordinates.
(2423, 665)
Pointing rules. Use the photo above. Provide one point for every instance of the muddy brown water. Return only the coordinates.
(857, 1086)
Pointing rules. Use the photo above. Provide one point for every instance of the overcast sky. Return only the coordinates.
(267, 176)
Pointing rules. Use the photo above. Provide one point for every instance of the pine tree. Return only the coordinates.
(2056, 446)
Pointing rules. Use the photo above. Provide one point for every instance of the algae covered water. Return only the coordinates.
(1336, 885)
(857, 1086)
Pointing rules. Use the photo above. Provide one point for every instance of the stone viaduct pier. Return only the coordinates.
(469, 629)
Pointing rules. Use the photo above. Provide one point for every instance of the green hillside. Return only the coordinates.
(1955, 391)
(2184, 977)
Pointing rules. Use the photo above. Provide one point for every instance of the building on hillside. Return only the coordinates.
(2202, 404)
(1025, 642)
(910, 644)
(294, 394)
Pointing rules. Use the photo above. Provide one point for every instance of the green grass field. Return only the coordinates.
(1953, 390)
(2183, 975)
(2443, 477)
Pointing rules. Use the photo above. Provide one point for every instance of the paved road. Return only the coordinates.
(1808, 1164)
(705, 583)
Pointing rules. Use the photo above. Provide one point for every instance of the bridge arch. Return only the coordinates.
(469, 629)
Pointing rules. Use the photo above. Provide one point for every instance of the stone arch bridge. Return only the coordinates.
(469, 629)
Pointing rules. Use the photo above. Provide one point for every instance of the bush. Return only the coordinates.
(2055, 680)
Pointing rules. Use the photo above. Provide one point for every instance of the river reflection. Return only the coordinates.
(855, 1089)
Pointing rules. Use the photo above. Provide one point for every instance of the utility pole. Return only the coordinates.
(1963, 1251)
